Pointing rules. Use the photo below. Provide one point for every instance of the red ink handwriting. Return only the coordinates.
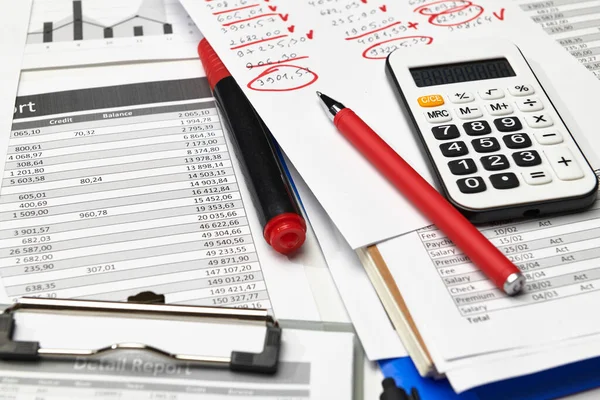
(283, 78)
(450, 12)
(500, 15)
(379, 51)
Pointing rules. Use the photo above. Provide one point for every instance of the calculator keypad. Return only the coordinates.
(454, 149)
(468, 112)
(461, 97)
(496, 162)
(507, 180)
(462, 167)
(493, 93)
(508, 124)
(563, 163)
(474, 184)
(521, 90)
(477, 128)
(517, 141)
(512, 139)
(539, 120)
(529, 104)
(527, 158)
(499, 108)
(547, 138)
(444, 132)
(486, 145)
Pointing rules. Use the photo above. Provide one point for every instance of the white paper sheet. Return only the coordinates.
(276, 52)
(110, 31)
(513, 364)
(80, 240)
(13, 29)
(373, 327)
(313, 365)
(462, 316)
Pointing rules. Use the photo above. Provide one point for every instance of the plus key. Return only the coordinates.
(563, 163)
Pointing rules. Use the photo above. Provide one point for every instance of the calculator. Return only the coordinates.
(497, 145)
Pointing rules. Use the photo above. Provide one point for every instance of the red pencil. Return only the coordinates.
(422, 195)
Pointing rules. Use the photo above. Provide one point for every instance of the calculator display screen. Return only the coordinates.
(462, 72)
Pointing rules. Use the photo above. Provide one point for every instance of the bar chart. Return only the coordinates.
(69, 32)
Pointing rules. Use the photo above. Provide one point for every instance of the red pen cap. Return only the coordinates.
(214, 67)
(285, 233)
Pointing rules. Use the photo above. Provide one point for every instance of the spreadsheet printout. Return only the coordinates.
(557, 254)
(12, 39)
(574, 24)
(113, 190)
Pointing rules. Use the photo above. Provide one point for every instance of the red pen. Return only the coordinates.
(422, 195)
(284, 227)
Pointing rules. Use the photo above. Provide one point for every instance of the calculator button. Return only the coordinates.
(563, 163)
(491, 94)
(462, 167)
(517, 141)
(499, 108)
(521, 90)
(454, 149)
(539, 120)
(473, 184)
(443, 132)
(508, 124)
(468, 112)
(496, 162)
(529, 104)
(538, 177)
(432, 100)
(548, 137)
(461, 97)
(477, 128)
(506, 180)
(485, 145)
(435, 116)
(527, 158)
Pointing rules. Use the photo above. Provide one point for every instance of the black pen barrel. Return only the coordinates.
(270, 188)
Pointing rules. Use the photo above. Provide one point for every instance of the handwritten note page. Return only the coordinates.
(281, 52)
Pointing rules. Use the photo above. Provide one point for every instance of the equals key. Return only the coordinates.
(537, 177)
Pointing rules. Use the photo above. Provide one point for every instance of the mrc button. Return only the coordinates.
(432, 100)
(439, 115)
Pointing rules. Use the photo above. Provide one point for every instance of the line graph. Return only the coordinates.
(76, 32)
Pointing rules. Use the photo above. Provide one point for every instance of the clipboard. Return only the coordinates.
(149, 306)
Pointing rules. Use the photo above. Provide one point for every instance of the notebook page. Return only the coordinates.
(282, 52)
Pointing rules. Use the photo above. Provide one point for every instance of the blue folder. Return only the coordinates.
(549, 384)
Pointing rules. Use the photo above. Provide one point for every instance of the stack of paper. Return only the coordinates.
(107, 192)
(114, 183)
(464, 327)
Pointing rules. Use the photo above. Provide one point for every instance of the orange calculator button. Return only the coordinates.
(432, 100)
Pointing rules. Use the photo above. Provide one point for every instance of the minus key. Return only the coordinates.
(546, 138)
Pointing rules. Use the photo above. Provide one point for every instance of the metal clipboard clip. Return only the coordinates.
(265, 362)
